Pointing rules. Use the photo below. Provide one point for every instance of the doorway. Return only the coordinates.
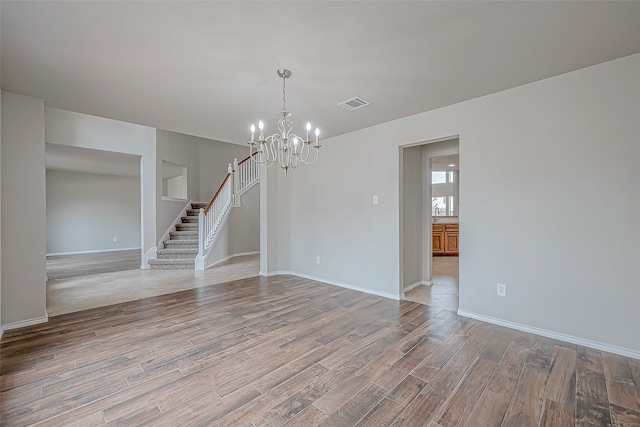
(93, 211)
(429, 222)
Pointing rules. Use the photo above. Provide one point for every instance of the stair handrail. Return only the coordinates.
(209, 219)
(215, 196)
(240, 176)
(246, 173)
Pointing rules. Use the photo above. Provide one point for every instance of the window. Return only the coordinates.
(438, 177)
(443, 192)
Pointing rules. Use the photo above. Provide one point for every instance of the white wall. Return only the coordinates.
(82, 130)
(412, 215)
(535, 162)
(176, 186)
(332, 215)
(23, 211)
(275, 224)
(85, 211)
(244, 223)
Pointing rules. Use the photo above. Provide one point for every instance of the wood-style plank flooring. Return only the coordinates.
(65, 266)
(289, 351)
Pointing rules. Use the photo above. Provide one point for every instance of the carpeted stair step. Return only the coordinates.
(178, 253)
(184, 244)
(186, 219)
(181, 249)
(183, 235)
(187, 226)
(172, 264)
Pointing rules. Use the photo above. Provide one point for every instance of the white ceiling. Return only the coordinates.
(209, 68)
(441, 163)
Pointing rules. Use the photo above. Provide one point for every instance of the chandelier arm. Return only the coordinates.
(271, 150)
(301, 154)
(255, 154)
(293, 157)
(317, 150)
(264, 153)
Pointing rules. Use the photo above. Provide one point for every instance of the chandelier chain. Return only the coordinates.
(284, 95)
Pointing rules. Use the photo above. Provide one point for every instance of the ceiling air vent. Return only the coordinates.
(354, 103)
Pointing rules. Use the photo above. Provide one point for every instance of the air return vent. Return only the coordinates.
(354, 103)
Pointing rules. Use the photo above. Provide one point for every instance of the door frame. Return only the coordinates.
(432, 148)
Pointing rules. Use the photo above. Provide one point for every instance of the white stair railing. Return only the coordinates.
(239, 178)
(246, 173)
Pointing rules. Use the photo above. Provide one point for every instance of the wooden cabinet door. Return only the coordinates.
(451, 239)
(438, 241)
(451, 242)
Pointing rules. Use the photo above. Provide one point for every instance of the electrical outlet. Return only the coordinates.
(317, 259)
(501, 290)
(375, 199)
(115, 239)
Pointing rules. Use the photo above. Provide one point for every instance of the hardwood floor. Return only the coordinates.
(289, 351)
(66, 266)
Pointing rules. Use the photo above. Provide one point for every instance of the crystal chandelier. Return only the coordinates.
(283, 147)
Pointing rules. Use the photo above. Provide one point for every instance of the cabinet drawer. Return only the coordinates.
(438, 227)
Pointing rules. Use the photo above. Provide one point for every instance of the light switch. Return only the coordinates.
(375, 199)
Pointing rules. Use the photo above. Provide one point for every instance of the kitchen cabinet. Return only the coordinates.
(445, 239)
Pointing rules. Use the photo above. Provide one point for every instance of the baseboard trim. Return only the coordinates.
(334, 283)
(623, 351)
(152, 253)
(232, 256)
(25, 323)
(274, 273)
(411, 287)
(93, 252)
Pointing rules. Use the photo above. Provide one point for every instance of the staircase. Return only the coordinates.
(241, 177)
(190, 245)
(180, 250)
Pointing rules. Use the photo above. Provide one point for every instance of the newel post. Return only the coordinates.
(236, 181)
(199, 261)
(201, 232)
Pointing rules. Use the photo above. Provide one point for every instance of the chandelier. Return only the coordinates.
(283, 147)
